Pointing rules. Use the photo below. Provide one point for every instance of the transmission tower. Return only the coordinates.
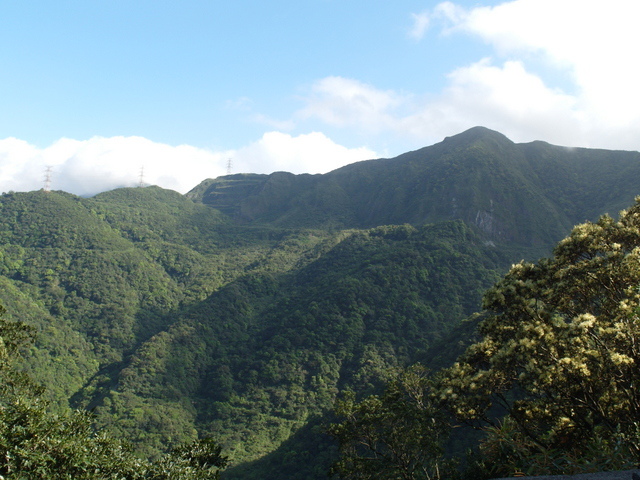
(141, 177)
(229, 165)
(47, 179)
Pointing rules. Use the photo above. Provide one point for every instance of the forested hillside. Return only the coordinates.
(526, 194)
(241, 309)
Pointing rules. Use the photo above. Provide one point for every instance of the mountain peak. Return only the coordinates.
(477, 133)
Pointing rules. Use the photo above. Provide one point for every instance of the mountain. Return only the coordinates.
(527, 194)
(241, 309)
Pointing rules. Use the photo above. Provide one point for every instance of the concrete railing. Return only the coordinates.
(625, 475)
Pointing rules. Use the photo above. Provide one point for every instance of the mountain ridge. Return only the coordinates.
(479, 176)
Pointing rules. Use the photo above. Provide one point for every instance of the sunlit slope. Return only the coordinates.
(530, 194)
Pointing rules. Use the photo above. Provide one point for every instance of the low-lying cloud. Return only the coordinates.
(87, 167)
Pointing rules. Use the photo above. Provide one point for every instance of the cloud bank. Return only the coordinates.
(307, 153)
(99, 164)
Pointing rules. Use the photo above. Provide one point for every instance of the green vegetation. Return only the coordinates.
(560, 352)
(240, 311)
(34, 444)
(266, 353)
(552, 381)
(521, 195)
(169, 322)
(399, 434)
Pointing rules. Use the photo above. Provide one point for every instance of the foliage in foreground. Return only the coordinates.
(560, 351)
(35, 444)
(558, 361)
(398, 434)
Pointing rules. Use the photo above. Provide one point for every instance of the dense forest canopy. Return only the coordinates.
(551, 382)
(241, 310)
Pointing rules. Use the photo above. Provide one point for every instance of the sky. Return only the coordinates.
(108, 93)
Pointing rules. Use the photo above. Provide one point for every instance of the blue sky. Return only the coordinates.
(98, 89)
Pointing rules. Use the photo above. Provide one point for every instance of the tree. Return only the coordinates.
(36, 444)
(200, 460)
(397, 435)
(560, 348)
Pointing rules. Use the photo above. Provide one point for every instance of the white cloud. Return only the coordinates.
(449, 14)
(99, 164)
(273, 123)
(420, 25)
(564, 71)
(21, 165)
(480, 94)
(308, 153)
(595, 42)
(509, 99)
(342, 102)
